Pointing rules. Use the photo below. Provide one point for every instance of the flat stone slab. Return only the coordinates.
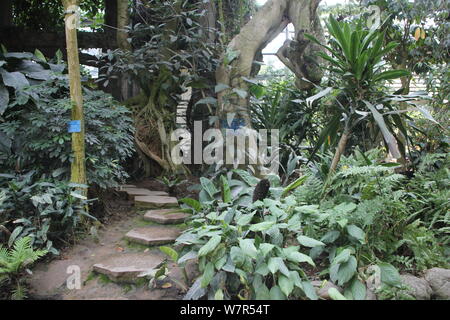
(125, 186)
(153, 235)
(166, 216)
(155, 202)
(133, 192)
(126, 267)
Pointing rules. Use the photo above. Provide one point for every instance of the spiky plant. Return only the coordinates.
(13, 262)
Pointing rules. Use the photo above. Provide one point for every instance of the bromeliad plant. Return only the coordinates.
(357, 70)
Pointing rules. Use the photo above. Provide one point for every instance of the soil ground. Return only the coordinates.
(49, 278)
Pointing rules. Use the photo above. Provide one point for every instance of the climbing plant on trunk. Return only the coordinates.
(238, 62)
(166, 41)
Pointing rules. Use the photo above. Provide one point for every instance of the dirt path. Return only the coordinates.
(49, 279)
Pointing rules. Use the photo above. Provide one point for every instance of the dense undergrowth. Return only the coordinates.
(367, 217)
(36, 198)
(349, 216)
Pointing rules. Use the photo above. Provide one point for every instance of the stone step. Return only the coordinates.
(166, 216)
(155, 202)
(153, 235)
(133, 192)
(125, 186)
(128, 267)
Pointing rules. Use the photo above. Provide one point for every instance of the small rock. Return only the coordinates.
(322, 290)
(439, 280)
(417, 287)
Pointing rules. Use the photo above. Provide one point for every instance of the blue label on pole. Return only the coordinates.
(236, 124)
(74, 126)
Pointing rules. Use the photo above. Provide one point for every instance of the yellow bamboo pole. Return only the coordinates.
(78, 168)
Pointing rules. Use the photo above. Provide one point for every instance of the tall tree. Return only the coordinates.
(237, 65)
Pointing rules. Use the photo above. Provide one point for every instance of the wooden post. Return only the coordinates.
(78, 170)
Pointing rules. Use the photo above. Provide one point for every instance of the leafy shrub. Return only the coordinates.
(278, 104)
(34, 128)
(13, 263)
(43, 211)
(246, 250)
(405, 221)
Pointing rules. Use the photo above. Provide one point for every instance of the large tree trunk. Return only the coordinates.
(267, 23)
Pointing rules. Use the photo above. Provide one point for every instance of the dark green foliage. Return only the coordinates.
(405, 220)
(48, 15)
(35, 149)
(246, 250)
(34, 129)
(278, 104)
(47, 211)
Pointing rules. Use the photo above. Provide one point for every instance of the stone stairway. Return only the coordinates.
(164, 213)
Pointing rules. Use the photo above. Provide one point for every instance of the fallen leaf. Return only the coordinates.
(166, 285)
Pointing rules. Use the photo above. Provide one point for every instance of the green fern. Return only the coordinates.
(13, 262)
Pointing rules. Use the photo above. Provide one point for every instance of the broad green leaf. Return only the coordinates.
(330, 236)
(265, 248)
(286, 285)
(357, 233)
(248, 247)
(299, 257)
(194, 204)
(247, 177)
(12, 238)
(335, 294)
(309, 242)
(309, 290)
(245, 219)
(342, 257)
(209, 246)
(276, 293)
(39, 55)
(14, 79)
(208, 274)
(294, 185)
(262, 269)
(389, 274)
(207, 100)
(387, 135)
(226, 192)
(220, 87)
(391, 74)
(4, 98)
(346, 271)
(170, 252)
(358, 290)
(218, 295)
(188, 256)
(262, 293)
(277, 264)
(262, 226)
(241, 93)
(208, 186)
